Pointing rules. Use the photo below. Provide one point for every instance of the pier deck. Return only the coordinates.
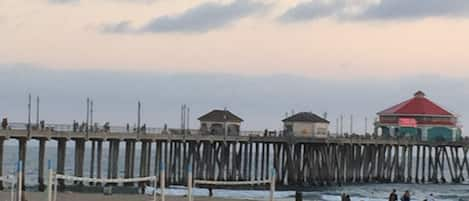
(300, 162)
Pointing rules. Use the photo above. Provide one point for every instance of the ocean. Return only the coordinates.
(362, 192)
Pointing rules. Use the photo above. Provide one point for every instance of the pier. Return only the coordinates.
(300, 162)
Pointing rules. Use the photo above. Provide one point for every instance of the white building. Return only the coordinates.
(306, 124)
(214, 123)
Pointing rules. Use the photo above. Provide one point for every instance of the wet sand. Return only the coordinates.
(68, 196)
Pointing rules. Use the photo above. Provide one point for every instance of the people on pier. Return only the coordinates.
(127, 127)
(75, 126)
(107, 127)
(42, 124)
(4, 123)
(393, 195)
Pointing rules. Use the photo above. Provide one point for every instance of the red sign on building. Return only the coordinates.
(407, 122)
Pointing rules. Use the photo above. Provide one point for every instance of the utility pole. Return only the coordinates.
(91, 115)
(351, 124)
(341, 124)
(337, 126)
(29, 115)
(224, 123)
(366, 125)
(188, 116)
(37, 111)
(183, 119)
(87, 114)
(139, 108)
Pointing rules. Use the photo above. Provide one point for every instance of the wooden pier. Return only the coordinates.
(300, 163)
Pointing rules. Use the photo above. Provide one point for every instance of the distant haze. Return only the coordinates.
(260, 100)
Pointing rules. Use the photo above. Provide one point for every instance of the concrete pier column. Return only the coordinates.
(22, 157)
(115, 161)
(61, 152)
(41, 157)
(143, 162)
(99, 157)
(2, 140)
(132, 159)
(79, 157)
(109, 160)
(92, 161)
(128, 161)
(143, 158)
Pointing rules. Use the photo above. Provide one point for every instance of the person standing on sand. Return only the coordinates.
(393, 195)
(406, 196)
(342, 197)
(430, 197)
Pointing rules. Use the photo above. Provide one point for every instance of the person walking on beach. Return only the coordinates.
(347, 197)
(393, 195)
(430, 197)
(406, 196)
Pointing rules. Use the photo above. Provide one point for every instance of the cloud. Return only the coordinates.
(375, 10)
(115, 94)
(200, 19)
(63, 1)
(414, 9)
(306, 11)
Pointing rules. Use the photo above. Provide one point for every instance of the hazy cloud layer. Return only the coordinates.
(202, 18)
(63, 1)
(376, 10)
(260, 100)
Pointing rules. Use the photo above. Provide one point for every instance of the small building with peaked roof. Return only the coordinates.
(418, 117)
(217, 122)
(306, 124)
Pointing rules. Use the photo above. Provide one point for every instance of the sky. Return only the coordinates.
(261, 58)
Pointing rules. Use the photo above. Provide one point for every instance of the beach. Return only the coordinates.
(68, 196)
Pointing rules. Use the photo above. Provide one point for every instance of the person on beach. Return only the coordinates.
(406, 196)
(342, 197)
(347, 197)
(430, 197)
(393, 195)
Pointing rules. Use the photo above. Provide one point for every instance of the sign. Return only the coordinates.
(407, 122)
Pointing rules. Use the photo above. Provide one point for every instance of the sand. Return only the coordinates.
(67, 196)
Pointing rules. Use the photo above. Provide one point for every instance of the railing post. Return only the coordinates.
(49, 183)
(154, 186)
(272, 184)
(12, 185)
(20, 178)
(189, 182)
(162, 180)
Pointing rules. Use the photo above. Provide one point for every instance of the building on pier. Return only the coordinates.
(219, 122)
(420, 118)
(306, 124)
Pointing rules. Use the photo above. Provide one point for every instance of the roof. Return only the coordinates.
(305, 117)
(418, 105)
(220, 116)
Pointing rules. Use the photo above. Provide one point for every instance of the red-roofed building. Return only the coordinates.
(418, 117)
